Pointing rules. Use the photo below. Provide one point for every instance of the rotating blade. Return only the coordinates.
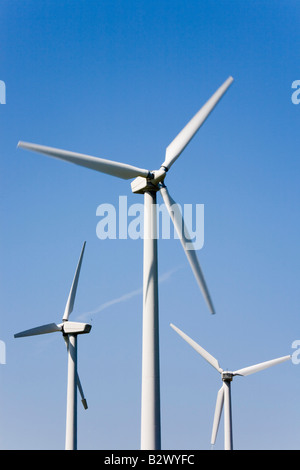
(187, 133)
(72, 294)
(40, 330)
(83, 399)
(120, 170)
(208, 357)
(263, 365)
(79, 386)
(182, 232)
(217, 415)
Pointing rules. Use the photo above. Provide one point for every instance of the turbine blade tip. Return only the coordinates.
(22, 144)
(84, 402)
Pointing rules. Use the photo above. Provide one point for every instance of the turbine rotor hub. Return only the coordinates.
(227, 376)
(140, 185)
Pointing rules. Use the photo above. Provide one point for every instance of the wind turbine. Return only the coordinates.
(224, 394)
(70, 331)
(148, 183)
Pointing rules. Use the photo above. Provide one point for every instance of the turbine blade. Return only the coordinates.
(187, 133)
(217, 415)
(72, 294)
(120, 170)
(263, 365)
(83, 399)
(208, 357)
(40, 330)
(182, 232)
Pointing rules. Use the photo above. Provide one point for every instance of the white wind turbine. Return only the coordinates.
(70, 331)
(148, 183)
(224, 394)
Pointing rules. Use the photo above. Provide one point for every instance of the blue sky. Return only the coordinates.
(119, 80)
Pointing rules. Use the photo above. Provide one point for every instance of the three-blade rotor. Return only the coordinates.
(125, 171)
(225, 375)
(66, 327)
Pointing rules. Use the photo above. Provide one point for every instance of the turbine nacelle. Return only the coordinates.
(140, 184)
(75, 328)
(227, 376)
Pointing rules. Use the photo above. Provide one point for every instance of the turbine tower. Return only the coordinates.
(224, 394)
(70, 331)
(148, 183)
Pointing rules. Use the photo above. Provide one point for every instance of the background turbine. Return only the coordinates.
(224, 394)
(70, 330)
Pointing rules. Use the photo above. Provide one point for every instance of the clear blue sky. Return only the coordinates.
(119, 80)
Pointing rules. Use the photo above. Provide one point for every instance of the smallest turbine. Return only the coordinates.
(70, 330)
(224, 394)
